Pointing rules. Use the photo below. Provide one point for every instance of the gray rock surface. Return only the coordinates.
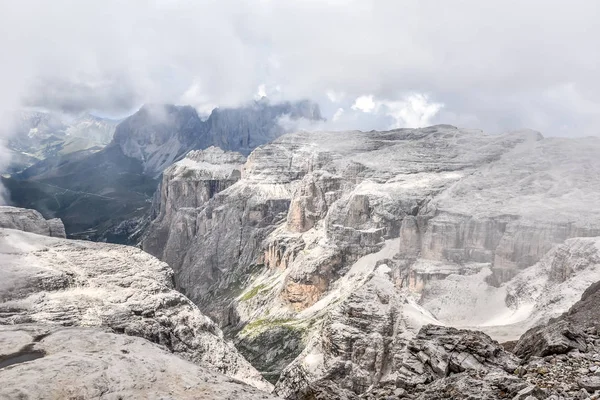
(568, 332)
(346, 243)
(590, 383)
(447, 363)
(30, 221)
(186, 185)
(556, 338)
(434, 354)
(59, 282)
(54, 362)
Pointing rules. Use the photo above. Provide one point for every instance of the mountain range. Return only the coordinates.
(103, 194)
(428, 263)
(41, 135)
(322, 255)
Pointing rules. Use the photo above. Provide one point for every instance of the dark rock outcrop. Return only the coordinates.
(567, 332)
(556, 338)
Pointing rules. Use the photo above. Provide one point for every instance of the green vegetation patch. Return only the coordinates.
(264, 324)
(253, 292)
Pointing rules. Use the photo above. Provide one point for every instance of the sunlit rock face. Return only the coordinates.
(351, 239)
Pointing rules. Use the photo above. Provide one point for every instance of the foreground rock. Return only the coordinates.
(30, 221)
(575, 330)
(59, 282)
(53, 362)
(447, 363)
(563, 356)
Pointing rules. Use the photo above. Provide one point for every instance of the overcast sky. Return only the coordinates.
(494, 65)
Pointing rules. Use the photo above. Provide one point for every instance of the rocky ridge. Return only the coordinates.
(333, 249)
(53, 282)
(158, 135)
(30, 221)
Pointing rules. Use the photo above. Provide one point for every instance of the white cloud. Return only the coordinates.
(483, 60)
(415, 111)
(338, 114)
(364, 104)
(198, 98)
(261, 92)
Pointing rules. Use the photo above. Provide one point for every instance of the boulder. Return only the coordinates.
(30, 221)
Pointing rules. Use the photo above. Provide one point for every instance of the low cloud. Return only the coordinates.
(414, 110)
(111, 95)
(494, 65)
(365, 104)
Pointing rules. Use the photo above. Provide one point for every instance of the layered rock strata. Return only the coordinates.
(333, 249)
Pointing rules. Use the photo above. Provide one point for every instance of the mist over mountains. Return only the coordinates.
(299, 200)
(40, 135)
(427, 263)
(96, 187)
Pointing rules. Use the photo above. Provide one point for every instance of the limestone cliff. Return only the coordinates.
(333, 249)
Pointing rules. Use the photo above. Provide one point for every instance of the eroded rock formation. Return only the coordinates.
(333, 249)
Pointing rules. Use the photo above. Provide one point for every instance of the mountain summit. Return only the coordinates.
(160, 134)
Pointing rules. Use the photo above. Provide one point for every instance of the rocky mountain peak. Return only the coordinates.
(160, 134)
(30, 221)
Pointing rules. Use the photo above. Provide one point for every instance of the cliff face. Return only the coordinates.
(333, 249)
(185, 186)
